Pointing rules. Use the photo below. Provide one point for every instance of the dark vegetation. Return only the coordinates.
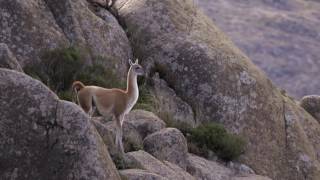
(212, 137)
(146, 100)
(118, 161)
(58, 68)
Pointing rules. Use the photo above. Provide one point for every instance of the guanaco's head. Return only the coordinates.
(136, 68)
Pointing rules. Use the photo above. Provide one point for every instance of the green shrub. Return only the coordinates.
(209, 137)
(231, 147)
(214, 137)
(58, 68)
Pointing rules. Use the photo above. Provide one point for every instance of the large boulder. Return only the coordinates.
(220, 83)
(311, 104)
(93, 28)
(143, 160)
(138, 174)
(45, 138)
(7, 59)
(32, 27)
(145, 122)
(168, 144)
(28, 28)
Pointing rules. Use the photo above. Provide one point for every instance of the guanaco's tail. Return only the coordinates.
(76, 87)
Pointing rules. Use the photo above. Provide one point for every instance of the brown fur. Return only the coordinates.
(108, 101)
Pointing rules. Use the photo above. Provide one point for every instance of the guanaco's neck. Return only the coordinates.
(132, 84)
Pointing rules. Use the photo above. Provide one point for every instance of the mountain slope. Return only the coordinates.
(282, 37)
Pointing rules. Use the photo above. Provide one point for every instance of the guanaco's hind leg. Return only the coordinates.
(85, 101)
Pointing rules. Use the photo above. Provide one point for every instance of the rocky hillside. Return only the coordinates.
(280, 36)
(195, 76)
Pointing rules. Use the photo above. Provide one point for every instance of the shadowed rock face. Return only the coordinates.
(221, 84)
(45, 138)
(280, 36)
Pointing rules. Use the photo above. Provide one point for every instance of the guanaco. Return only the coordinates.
(115, 102)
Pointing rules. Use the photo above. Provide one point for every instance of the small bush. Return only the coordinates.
(231, 147)
(60, 67)
(214, 137)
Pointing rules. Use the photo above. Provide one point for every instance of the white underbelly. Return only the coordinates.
(130, 106)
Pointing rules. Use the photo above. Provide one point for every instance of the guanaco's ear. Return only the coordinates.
(130, 62)
(137, 61)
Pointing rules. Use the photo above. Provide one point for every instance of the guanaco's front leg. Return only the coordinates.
(92, 110)
(119, 133)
